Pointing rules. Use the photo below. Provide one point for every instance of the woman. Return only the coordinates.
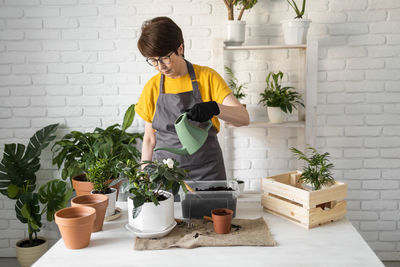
(179, 87)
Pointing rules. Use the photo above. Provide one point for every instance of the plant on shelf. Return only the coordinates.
(278, 98)
(242, 4)
(235, 29)
(150, 206)
(299, 13)
(295, 30)
(233, 83)
(317, 172)
(78, 151)
(18, 181)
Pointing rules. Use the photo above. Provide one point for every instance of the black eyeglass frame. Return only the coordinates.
(160, 60)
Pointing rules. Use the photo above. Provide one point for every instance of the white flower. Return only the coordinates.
(169, 162)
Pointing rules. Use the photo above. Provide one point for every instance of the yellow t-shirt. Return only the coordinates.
(211, 85)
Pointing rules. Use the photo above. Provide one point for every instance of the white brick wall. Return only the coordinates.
(75, 62)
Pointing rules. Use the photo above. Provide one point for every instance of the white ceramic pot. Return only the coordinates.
(275, 114)
(112, 198)
(235, 32)
(27, 256)
(295, 30)
(153, 218)
(241, 188)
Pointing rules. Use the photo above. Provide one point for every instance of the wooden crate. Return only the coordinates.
(283, 196)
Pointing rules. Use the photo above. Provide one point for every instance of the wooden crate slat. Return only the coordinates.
(338, 191)
(285, 208)
(319, 216)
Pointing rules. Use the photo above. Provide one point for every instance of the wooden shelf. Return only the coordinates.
(262, 47)
(265, 124)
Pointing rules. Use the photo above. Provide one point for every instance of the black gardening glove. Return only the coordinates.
(204, 111)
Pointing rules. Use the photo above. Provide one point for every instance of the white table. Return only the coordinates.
(334, 244)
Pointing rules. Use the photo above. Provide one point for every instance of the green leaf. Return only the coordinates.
(128, 117)
(55, 194)
(40, 140)
(13, 190)
(25, 212)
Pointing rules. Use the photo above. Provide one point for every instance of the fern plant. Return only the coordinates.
(233, 83)
(299, 13)
(317, 172)
(275, 95)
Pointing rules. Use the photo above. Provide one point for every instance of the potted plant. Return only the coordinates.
(233, 83)
(279, 99)
(317, 172)
(78, 151)
(98, 174)
(235, 29)
(295, 30)
(150, 205)
(18, 181)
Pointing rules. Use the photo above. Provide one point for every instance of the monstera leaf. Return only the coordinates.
(19, 165)
(55, 194)
(28, 211)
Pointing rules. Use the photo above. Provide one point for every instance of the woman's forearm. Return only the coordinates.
(233, 112)
(149, 142)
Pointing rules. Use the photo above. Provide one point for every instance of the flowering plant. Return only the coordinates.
(146, 185)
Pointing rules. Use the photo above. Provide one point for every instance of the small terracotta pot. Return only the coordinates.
(222, 219)
(81, 185)
(75, 224)
(97, 201)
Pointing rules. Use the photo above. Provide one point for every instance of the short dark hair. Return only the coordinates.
(159, 36)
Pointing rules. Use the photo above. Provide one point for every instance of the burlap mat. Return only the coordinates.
(200, 233)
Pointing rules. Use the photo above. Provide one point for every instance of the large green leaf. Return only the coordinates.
(28, 210)
(128, 117)
(40, 140)
(55, 194)
(19, 165)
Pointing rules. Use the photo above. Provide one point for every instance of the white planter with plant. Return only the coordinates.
(282, 99)
(236, 29)
(150, 207)
(295, 30)
(233, 83)
(99, 173)
(152, 218)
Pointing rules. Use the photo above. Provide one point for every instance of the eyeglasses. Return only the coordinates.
(161, 60)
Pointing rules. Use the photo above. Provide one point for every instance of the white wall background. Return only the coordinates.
(75, 62)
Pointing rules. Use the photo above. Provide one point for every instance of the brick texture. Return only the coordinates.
(76, 63)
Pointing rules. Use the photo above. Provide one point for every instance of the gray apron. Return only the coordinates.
(207, 163)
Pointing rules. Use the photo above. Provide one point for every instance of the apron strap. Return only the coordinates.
(195, 85)
(161, 84)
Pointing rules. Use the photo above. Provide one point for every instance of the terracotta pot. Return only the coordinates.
(81, 185)
(97, 201)
(26, 256)
(222, 219)
(75, 224)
